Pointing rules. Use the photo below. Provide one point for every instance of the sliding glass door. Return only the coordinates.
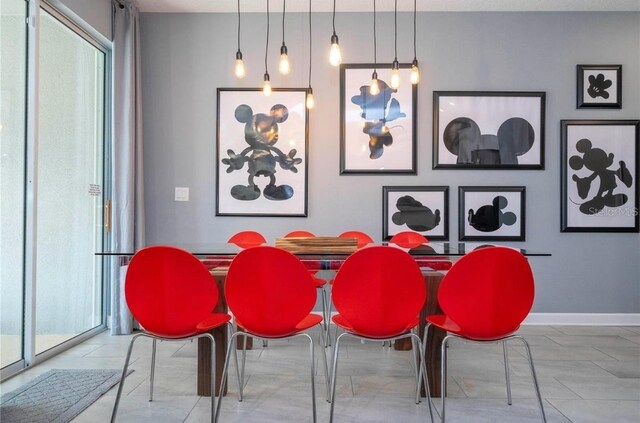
(70, 184)
(13, 59)
(53, 121)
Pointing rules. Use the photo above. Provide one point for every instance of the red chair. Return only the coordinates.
(485, 297)
(247, 239)
(362, 238)
(271, 295)
(378, 293)
(172, 295)
(408, 239)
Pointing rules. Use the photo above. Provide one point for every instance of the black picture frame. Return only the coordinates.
(484, 216)
(499, 129)
(426, 206)
(618, 141)
(599, 86)
(236, 187)
(357, 147)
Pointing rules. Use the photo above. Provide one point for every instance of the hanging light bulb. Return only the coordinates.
(240, 70)
(415, 72)
(284, 66)
(266, 86)
(310, 101)
(335, 55)
(374, 88)
(395, 75)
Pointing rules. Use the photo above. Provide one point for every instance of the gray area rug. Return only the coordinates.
(56, 396)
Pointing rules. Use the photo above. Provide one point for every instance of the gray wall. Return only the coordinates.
(186, 57)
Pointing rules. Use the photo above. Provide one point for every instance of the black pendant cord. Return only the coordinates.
(310, 39)
(284, 9)
(375, 44)
(334, 17)
(414, 31)
(266, 49)
(395, 31)
(238, 25)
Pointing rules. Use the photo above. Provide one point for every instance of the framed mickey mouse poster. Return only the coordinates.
(424, 210)
(488, 130)
(599, 86)
(491, 213)
(262, 157)
(599, 189)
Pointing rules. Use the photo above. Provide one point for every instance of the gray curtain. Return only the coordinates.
(126, 164)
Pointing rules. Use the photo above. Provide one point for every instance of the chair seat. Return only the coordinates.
(319, 282)
(308, 322)
(340, 321)
(213, 321)
(444, 322)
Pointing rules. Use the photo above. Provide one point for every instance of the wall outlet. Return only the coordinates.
(182, 194)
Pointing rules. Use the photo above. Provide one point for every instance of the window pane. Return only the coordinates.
(13, 71)
(70, 181)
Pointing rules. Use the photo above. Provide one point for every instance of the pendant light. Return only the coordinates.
(239, 69)
(415, 71)
(395, 66)
(335, 55)
(284, 66)
(374, 88)
(266, 85)
(310, 103)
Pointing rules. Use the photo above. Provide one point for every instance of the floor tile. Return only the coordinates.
(581, 411)
(594, 388)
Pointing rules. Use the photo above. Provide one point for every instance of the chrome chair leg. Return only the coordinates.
(443, 374)
(244, 360)
(124, 375)
(334, 371)
(423, 368)
(213, 377)
(416, 367)
(235, 357)
(313, 372)
(223, 381)
(153, 369)
(325, 316)
(324, 361)
(506, 370)
(533, 376)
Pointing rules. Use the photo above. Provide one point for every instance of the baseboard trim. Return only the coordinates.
(583, 319)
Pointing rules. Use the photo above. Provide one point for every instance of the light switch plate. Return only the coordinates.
(182, 194)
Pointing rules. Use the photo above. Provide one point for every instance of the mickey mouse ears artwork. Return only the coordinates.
(600, 175)
(488, 130)
(491, 213)
(424, 210)
(599, 86)
(262, 153)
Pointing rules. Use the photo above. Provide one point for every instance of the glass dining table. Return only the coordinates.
(433, 258)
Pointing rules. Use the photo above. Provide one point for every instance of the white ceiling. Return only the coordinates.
(230, 6)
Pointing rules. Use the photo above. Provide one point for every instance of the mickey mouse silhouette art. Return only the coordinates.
(462, 138)
(376, 115)
(415, 215)
(598, 162)
(598, 86)
(490, 218)
(261, 133)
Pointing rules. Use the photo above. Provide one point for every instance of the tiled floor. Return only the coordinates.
(586, 374)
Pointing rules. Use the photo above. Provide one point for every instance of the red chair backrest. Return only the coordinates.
(363, 239)
(169, 291)
(299, 234)
(269, 291)
(408, 239)
(488, 292)
(379, 290)
(246, 239)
